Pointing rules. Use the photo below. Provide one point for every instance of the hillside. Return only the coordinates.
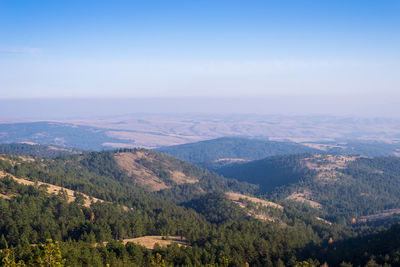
(380, 248)
(143, 197)
(348, 186)
(224, 151)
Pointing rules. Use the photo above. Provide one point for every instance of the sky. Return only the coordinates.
(210, 49)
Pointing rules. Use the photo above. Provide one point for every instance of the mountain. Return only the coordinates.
(58, 134)
(222, 151)
(81, 200)
(343, 186)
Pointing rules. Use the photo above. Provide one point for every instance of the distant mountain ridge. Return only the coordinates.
(221, 151)
(58, 134)
(216, 153)
(32, 149)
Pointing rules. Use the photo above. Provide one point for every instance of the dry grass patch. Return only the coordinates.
(149, 241)
(26, 158)
(5, 196)
(231, 160)
(323, 147)
(305, 197)
(327, 166)
(237, 197)
(181, 178)
(145, 177)
(16, 159)
(323, 220)
(381, 215)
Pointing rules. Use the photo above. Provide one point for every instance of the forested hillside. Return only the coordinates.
(381, 248)
(140, 193)
(344, 186)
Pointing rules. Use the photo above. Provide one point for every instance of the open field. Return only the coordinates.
(149, 241)
(150, 130)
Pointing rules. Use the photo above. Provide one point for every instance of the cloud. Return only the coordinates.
(29, 51)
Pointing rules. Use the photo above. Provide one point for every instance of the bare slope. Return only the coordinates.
(149, 241)
(258, 208)
(151, 172)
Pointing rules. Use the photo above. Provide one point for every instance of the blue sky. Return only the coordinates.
(56, 49)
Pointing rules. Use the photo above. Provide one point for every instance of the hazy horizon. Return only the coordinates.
(61, 108)
(207, 49)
